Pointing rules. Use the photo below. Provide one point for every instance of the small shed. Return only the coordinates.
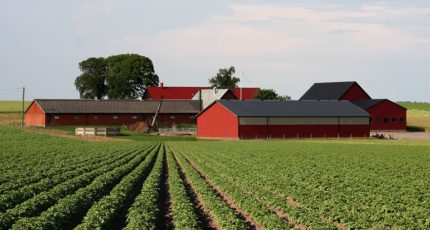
(234, 119)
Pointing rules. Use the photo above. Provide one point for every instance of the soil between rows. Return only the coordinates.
(204, 217)
(252, 224)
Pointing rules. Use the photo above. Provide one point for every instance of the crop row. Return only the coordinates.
(104, 213)
(87, 158)
(44, 200)
(71, 206)
(325, 185)
(12, 198)
(270, 197)
(221, 213)
(183, 209)
(144, 212)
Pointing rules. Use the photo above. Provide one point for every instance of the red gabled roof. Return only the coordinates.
(173, 92)
(158, 92)
(247, 93)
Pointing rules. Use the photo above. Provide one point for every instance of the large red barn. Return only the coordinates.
(58, 112)
(234, 119)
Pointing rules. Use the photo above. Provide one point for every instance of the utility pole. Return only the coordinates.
(22, 112)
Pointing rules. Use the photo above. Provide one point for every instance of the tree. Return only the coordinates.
(128, 75)
(91, 83)
(270, 94)
(225, 79)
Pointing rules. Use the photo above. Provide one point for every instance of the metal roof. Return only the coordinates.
(328, 90)
(293, 108)
(117, 106)
(364, 104)
(180, 92)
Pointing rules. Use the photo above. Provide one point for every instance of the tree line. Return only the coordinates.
(126, 76)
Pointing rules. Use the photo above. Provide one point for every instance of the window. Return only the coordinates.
(378, 120)
(394, 120)
(370, 120)
(401, 120)
(96, 117)
(192, 117)
(172, 117)
(385, 120)
(134, 117)
(115, 117)
(56, 117)
(76, 117)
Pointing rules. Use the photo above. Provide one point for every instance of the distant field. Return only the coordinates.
(12, 106)
(416, 105)
(418, 114)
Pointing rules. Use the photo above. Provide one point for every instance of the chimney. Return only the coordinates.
(161, 84)
(215, 90)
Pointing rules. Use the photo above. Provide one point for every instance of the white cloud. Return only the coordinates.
(286, 47)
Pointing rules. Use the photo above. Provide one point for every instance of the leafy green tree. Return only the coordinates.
(225, 79)
(91, 83)
(269, 94)
(128, 75)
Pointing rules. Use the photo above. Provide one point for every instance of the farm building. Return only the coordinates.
(235, 119)
(187, 93)
(336, 91)
(208, 96)
(384, 114)
(53, 112)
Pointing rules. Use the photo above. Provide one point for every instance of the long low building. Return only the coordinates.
(58, 112)
(232, 119)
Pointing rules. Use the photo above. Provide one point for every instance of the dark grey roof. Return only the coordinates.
(117, 106)
(328, 90)
(364, 104)
(293, 108)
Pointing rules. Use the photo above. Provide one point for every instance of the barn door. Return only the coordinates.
(48, 119)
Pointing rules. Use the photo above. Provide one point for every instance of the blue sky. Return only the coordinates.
(284, 45)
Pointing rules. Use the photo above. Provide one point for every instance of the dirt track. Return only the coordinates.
(405, 135)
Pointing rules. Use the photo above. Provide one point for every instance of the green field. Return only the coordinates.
(49, 182)
(418, 114)
(416, 105)
(13, 106)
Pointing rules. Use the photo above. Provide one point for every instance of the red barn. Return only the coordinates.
(350, 91)
(385, 114)
(187, 93)
(53, 112)
(235, 119)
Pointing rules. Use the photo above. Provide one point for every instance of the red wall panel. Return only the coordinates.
(302, 131)
(354, 130)
(35, 116)
(355, 93)
(386, 111)
(122, 119)
(217, 122)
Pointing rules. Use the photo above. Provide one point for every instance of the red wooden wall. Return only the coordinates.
(122, 119)
(386, 111)
(35, 116)
(355, 93)
(302, 131)
(217, 122)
